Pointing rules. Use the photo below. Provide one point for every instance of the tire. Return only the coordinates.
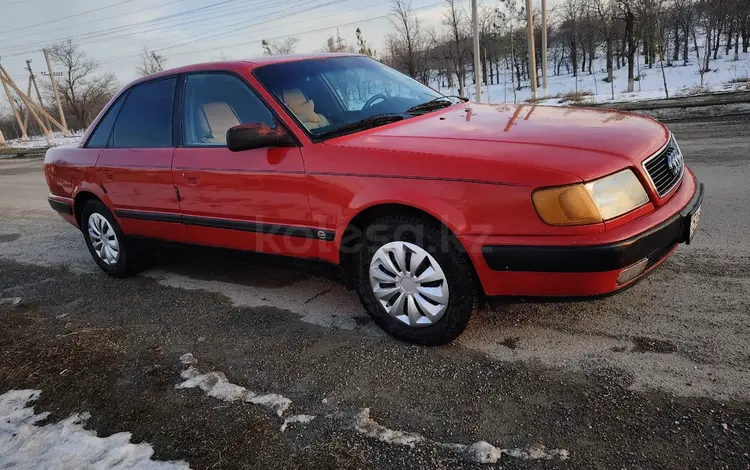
(388, 235)
(97, 218)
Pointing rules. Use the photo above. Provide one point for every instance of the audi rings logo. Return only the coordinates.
(674, 162)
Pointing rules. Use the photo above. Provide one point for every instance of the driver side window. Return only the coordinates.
(216, 102)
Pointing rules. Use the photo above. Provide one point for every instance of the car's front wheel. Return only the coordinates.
(105, 240)
(415, 281)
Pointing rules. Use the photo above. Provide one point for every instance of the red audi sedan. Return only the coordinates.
(424, 201)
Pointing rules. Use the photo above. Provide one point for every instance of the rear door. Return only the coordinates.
(251, 200)
(135, 168)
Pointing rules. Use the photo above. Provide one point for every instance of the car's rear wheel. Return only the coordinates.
(415, 281)
(106, 242)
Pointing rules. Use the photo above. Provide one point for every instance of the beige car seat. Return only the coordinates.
(215, 120)
(304, 109)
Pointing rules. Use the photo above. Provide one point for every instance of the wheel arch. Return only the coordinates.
(351, 235)
(80, 200)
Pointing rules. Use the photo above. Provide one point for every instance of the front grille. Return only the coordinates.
(665, 168)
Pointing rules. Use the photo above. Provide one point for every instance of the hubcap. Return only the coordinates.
(409, 284)
(103, 239)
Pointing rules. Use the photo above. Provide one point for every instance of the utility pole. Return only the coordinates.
(35, 110)
(24, 136)
(477, 59)
(32, 78)
(544, 47)
(532, 53)
(28, 113)
(56, 93)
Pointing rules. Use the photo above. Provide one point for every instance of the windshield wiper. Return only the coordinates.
(363, 124)
(434, 104)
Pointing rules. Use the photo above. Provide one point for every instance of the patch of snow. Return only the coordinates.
(188, 359)
(341, 309)
(479, 452)
(216, 385)
(65, 444)
(482, 452)
(367, 426)
(304, 419)
(12, 301)
(276, 402)
(538, 452)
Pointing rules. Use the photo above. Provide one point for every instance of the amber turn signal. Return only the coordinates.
(566, 205)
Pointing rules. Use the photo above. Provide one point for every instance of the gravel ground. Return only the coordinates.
(655, 377)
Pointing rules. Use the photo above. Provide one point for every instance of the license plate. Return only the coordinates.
(694, 219)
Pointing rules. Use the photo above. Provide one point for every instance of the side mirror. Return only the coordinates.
(257, 135)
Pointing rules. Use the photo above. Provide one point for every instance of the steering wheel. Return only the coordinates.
(372, 100)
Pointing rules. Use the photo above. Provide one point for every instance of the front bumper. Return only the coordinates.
(581, 269)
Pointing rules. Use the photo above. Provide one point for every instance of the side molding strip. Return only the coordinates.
(241, 225)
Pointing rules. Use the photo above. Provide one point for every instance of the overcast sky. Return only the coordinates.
(202, 30)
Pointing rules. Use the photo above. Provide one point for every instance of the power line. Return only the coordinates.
(14, 3)
(265, 18)
(66, 17)
(326, 28)
(117, 15)
(14, 51)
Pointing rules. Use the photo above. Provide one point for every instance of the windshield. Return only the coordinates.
(338, 92)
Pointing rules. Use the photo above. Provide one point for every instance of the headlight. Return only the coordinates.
(592, 202)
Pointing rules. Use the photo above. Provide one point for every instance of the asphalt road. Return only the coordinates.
(655, 377)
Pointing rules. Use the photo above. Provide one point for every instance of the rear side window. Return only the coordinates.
(145, 120)
(101, 135)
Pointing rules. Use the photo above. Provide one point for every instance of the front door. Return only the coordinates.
(252, 200)
(135, 168)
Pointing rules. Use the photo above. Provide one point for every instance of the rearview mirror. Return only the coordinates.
(257, 135)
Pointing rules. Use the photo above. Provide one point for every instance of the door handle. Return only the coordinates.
(190, 176)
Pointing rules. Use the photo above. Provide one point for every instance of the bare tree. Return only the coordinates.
(151, 62)
(628, 15)
(607, 23)
(684, 11)
(83, 91)
(406, 45)
(571, 16)
(280, 46)
(457, 24)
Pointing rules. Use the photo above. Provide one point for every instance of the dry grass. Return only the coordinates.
(575, 96)
(692, 91)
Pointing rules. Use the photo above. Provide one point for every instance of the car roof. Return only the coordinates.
(251, 63)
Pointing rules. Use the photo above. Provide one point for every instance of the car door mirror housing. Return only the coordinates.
(257, 135)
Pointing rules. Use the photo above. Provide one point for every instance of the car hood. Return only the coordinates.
(587, 143)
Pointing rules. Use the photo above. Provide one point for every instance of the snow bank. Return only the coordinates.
(39, 141)
(65, 444)
(681, 81)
